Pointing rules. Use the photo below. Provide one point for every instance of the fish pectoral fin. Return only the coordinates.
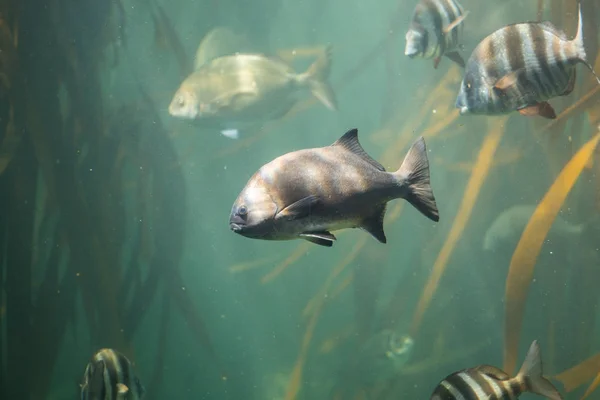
(230, 98)
(321, 238)
(121, 388)
(508, 81)
(455, 23)
(374, 224)
(457, 58)
(542, 109)
(299, 209)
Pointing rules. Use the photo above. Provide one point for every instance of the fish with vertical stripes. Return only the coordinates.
(306, 194)
(109, 376)
(519, 68)
(486, 382)
(435, 31)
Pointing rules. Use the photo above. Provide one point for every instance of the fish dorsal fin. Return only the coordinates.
(374, 224)
(350, 142)
(299, 209)
(493, 372)
(323, 238)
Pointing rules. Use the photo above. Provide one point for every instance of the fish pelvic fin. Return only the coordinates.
(531, 373)
(414, 172)
(579, 45)
(317, 79)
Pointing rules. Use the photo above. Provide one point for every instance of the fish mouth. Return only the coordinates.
(237, 228)
(411, 53)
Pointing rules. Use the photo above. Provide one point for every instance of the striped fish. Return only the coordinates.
(490, 383)
(520, 67)
(434, 31)
(109, 376)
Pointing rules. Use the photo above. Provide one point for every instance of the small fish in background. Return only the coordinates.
(434, 31)
(520, 67)
(383, 355)
(245, 90)
(510, 224)
(218, 42)
(109, 375)
(308, 193)
(486, 382)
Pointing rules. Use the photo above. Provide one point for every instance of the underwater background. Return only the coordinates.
(114, 215)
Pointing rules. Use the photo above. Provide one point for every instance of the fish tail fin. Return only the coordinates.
(531, 373)
(316, 77)
(579, 44)
(414, 172)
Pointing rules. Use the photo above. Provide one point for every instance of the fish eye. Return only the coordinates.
(180, 101)
(243, 210)
(468, 85)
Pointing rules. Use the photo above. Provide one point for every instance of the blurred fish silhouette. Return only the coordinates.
(383, 355)
(511, 223)
(486, 382)
(239, 91)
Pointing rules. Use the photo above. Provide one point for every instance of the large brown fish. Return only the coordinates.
(309, 193)
(240, 90)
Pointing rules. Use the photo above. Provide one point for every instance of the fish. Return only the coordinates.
(383, 355)
(242, 90)
(486, 382)
(519, 68)
(434, 31)
(511, 223)
(308, 193)
(109, 375)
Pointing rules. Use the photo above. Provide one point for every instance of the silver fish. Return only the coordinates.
(308, 193)
(511, 223)
(486, 382)
(434, 31)
(109, 376)
(520, 67)
(246, 89)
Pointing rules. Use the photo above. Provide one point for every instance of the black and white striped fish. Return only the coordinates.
(109, 376)
(434, 31)
(490, 383)
(520, 67)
